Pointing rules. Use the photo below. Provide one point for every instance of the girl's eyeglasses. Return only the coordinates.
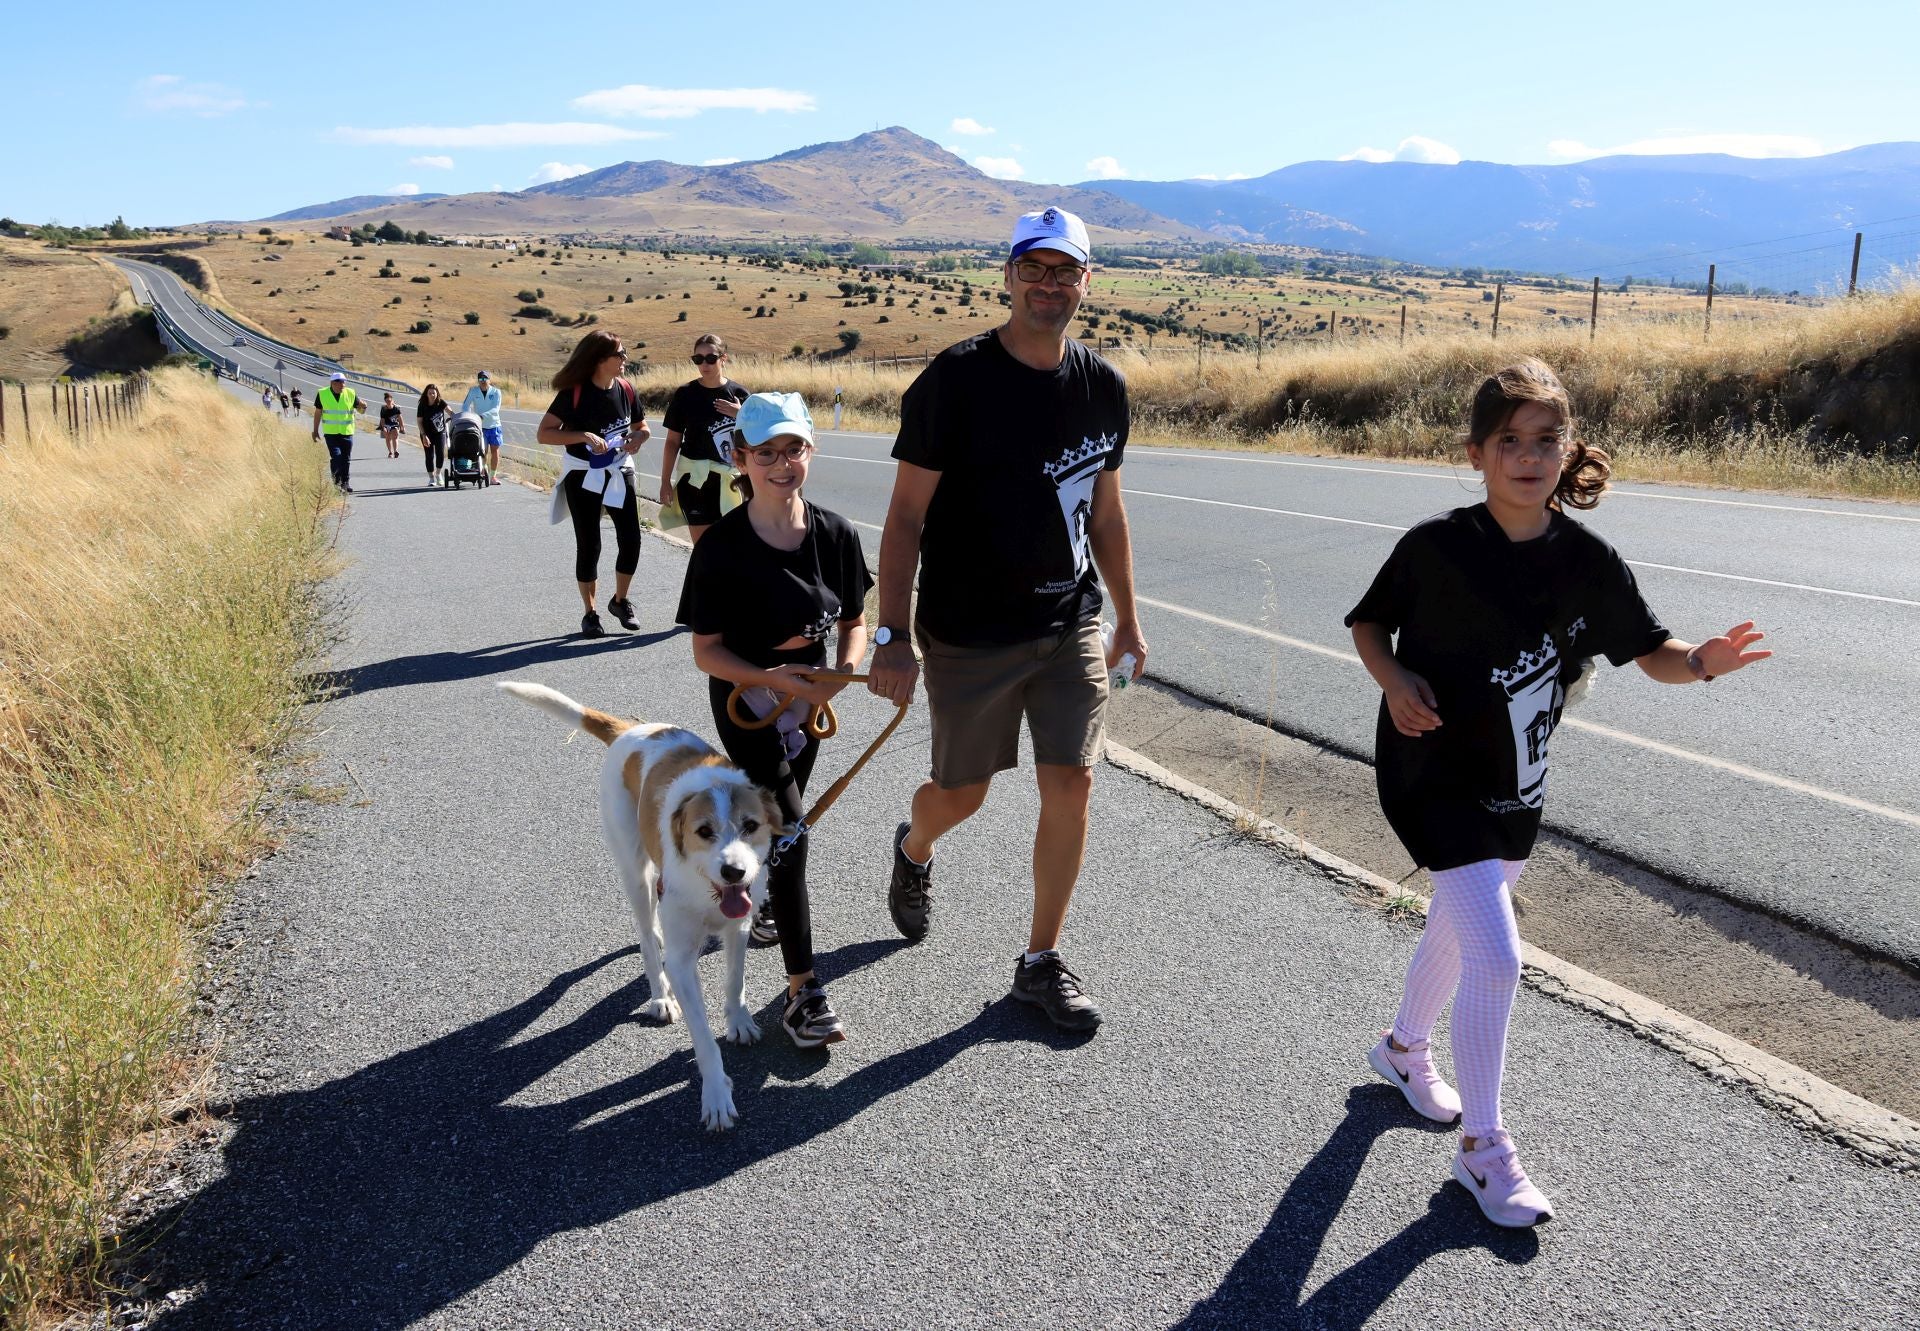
(766, 457)
(699, 359)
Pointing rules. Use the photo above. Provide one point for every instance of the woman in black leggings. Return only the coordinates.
(434, 416)
(599, 422)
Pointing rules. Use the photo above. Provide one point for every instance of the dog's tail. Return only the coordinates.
(599, 724)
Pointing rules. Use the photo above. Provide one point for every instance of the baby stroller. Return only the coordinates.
(464, 443)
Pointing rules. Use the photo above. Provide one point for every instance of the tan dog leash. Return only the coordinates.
(821, 723)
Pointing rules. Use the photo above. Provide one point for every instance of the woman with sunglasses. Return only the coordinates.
(700, 424)
(599, 421)
(772, 580)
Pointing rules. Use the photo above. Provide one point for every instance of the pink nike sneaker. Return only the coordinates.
(1412, 1074)
(1491, 1172)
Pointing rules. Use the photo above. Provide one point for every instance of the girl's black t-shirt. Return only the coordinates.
(705, 434)
(1498, 628)
(389, 417)
(609, 412)
(756, 597)
(434, 420)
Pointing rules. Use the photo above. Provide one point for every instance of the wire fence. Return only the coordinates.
(84, 410)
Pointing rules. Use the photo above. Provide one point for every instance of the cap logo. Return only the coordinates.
(1051, 217)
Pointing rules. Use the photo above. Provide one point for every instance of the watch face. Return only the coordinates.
(882, 636)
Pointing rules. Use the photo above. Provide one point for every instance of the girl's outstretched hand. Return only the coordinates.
(1411, 704)
(793, 679)
(1728, 652)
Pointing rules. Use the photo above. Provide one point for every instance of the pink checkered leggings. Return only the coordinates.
(1470, 953)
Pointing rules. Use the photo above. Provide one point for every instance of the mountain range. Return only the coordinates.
(892, 184)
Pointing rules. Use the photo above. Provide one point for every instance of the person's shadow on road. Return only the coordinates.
(503, 659)
(1264, 1287)
(381, 1197)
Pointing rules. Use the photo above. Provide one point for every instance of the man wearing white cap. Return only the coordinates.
(333, 409)
(1007, 497)
(484, 400)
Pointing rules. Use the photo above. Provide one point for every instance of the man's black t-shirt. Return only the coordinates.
(705, 434)
(756, 597)
(435, 419)
(1005, 554)
(1498, 628)
(609, 412)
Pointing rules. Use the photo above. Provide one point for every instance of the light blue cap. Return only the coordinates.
(767, 416)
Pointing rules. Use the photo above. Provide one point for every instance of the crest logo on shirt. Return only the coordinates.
(1534, 703)
(1073, 474)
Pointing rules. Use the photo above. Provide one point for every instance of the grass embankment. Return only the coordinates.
(1779, 404)
(150, 651)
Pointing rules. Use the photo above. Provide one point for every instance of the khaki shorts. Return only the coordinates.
(977, 695)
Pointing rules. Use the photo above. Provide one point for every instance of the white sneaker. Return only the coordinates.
(1492, 1175)
(1412, 1074)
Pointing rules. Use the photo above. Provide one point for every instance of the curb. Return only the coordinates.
(1875, 1133)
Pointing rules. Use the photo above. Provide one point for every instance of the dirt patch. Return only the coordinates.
(47, 297)
(1842, 1016)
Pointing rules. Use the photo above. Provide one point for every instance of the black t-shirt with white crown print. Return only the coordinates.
(706, 435)
(1498, 628)
(1005, 554)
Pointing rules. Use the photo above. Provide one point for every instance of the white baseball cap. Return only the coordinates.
(1051, 229)
(336, 378)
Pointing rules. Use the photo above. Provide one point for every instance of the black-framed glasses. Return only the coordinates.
(1034, 272)
(711, 359)
(766, 457)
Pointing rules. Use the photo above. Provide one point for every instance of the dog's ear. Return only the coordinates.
(677, 827)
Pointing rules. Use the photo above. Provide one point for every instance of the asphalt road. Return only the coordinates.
(1792, 787)
(443, 1112)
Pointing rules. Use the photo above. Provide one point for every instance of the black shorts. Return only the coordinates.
(700, 503)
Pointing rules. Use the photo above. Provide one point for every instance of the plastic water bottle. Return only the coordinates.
(1123, 669)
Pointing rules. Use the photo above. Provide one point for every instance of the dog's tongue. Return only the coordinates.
(734, 901)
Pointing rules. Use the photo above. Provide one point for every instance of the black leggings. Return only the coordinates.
(436, 451)
(759, 754)
(585, 510)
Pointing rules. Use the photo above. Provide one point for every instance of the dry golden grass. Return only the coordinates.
(150, 650)
(46, 296)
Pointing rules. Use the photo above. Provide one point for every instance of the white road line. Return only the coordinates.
(1453, 476)
(1605, 732)
(1638, 563)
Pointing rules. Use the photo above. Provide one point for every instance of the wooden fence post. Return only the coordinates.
(1593, 319)
(1403, 323)
(1711, 268)
(73, 413)
(26, 417)
(3, 411)
(1853, 276)
(1499, 294)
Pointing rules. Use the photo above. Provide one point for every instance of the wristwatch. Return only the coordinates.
(1698, 667)
(885, 637)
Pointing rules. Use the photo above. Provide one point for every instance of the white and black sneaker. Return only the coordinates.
(765, 931)
(810, 1020)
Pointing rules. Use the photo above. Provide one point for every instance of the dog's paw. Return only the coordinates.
(741, 1027)
(717, 1113)
(660, 1009)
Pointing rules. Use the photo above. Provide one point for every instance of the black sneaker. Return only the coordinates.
(910, 892)
(590, 626)
(622, 609)
(764, 932)
(1057, 991)
(810, 1020)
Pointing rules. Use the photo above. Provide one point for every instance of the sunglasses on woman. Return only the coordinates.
(699, 359)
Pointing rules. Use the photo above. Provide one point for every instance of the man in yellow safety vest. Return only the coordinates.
(333, 409)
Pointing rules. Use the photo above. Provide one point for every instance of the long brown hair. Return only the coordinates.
(595, 347)
(1585, 471)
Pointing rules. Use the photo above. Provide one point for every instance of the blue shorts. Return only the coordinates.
(492, 434)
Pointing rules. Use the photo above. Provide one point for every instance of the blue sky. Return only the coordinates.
(164, 117)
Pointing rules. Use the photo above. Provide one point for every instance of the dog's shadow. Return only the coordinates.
(378, 1198)
(504, 659)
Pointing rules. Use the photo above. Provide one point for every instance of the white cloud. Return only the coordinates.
(1000, 168)
(637, 99)
(563, 134)
(405, 189)
(552, 171)
(1736, 145)
(955, 149)
(1106, 168)
(1413, 148)
(437, 163)
(968, 125)
(166, 94)
(720, 161)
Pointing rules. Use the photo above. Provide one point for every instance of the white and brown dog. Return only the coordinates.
(690, 835)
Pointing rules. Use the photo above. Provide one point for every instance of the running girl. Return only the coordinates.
(390, 425)
(597, 418)
(1498, 608)
(434, 416)
(700, 434)
(771, 580)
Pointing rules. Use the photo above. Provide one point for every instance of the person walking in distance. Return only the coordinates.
(698, 457)
(764, 591)
(333, 411)
(390, 425)
(484, 399)
(434, 417)
(598, 421)
(266, 397)
(1007, 497)
(296, 401)
(1498, 609)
